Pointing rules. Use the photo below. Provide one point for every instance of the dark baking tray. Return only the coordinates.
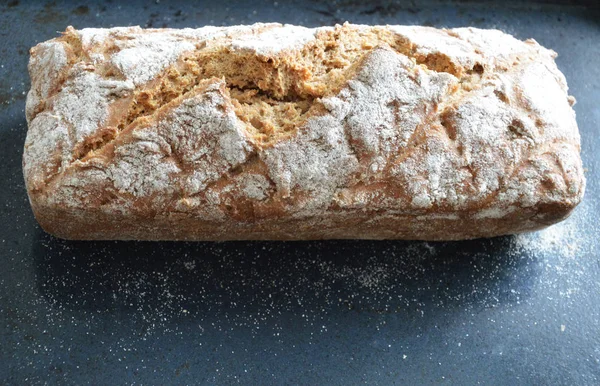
(509, 310)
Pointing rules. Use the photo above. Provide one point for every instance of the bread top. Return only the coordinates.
(272, 120)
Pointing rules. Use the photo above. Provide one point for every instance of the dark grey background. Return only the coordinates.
(510, 310)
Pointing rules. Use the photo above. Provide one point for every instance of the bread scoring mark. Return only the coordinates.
(274, 90)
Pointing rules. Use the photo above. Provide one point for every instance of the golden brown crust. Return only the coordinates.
(283, 132)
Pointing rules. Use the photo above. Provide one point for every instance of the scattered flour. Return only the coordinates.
(571, 239)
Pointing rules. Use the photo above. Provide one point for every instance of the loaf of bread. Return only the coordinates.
(283, 132)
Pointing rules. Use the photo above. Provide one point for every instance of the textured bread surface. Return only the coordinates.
(282, 132)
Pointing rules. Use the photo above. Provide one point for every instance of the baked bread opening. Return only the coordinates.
(273, 95)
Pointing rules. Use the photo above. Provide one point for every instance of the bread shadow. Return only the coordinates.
(170, 281)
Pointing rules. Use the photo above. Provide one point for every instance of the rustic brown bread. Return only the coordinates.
(282, 132)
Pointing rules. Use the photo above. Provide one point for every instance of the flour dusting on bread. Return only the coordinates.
(284, 132)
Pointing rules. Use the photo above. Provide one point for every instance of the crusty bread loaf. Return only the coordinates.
(282, 132)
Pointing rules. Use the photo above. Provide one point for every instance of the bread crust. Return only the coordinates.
(281, 132)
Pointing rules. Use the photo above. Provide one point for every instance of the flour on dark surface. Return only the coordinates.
(281, 296)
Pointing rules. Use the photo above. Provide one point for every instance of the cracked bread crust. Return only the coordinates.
(282, 132)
